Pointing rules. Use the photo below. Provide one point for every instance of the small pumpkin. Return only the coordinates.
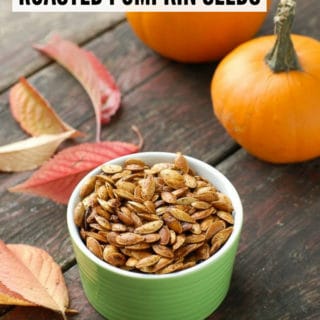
(269, 101)
(195, 36)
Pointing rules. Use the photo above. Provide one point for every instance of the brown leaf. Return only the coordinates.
(33, 112)
(31, 313)
(30, 153)
(30, 277)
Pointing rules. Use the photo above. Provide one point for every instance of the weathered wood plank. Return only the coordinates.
(174, 113)
(28, 219)
(172, 109)
(77, 297)
(276, 274)
(153, 89)
(277, 267)
(276, 270)
(127, 59)
(18, 31)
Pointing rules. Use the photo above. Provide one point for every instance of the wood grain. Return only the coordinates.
(18, 31)
(38, 221)
(78, 299)
(276, 274)
(277, 266)
(163, 98)
(279, 252)
(276, 271)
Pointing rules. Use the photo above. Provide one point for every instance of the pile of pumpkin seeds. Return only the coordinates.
(153, 219)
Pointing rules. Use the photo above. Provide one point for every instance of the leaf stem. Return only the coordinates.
(283, 57)
(136, 130)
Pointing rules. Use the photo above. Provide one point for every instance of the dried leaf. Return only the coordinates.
(30, 277)
(31, 313)
(90, 72)
(30, 153)
(57, 178)
(33, 112)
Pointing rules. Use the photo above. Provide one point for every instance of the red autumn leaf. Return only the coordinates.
(33, 112)
(90, 72)
(30, 277)
(58, 177)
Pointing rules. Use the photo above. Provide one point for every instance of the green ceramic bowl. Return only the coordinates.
(190, 294)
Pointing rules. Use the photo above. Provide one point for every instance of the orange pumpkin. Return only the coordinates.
(270, 103)
(194, 36)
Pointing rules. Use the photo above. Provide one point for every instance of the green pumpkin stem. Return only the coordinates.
(283, 57)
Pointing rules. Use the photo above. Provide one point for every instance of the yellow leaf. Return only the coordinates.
(33, 112)
(30, 153)
(29, 276)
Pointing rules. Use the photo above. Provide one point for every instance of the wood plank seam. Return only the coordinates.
(226, 155)
(81, 44)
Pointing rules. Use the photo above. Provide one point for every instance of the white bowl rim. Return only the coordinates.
(146, 157)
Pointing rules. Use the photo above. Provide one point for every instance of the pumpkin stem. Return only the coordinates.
(283, 57)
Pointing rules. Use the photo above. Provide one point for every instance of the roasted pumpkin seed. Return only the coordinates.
(154, 219)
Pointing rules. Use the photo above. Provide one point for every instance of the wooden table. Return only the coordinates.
(276, 275)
